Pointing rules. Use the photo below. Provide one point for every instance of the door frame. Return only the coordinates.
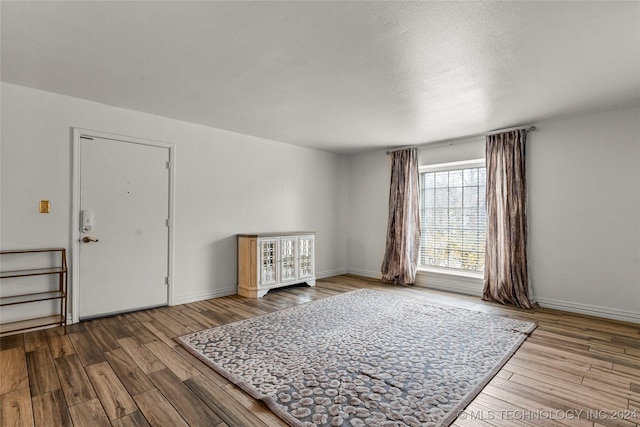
(74, 279)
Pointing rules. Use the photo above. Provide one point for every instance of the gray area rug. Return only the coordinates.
(364, 358)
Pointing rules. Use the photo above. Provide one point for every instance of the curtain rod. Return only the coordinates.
(527, 128)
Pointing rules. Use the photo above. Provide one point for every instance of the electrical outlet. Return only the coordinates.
(45, 206)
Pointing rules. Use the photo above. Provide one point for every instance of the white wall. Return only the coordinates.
(226, 183)
(369, 179)
(467, 150)
(584, 212)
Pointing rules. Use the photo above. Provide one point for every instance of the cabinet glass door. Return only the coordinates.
(305, 257)
(268, 266)
(287, 259)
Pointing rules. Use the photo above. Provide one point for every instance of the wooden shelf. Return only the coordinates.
(30, 297)
(23, 325)
(32, 272)
(30, 251)
(40, 296)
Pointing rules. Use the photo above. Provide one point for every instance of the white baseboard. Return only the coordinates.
(473, 286)
(443, 282)
(364, 273)
(200, 296)
(591, 310)
(451, 283)
(330, 273)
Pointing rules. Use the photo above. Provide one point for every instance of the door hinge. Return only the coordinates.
(169, 165)
(166, 223)
(166, 281)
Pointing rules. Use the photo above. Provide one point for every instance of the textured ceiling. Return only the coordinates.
(337, 76)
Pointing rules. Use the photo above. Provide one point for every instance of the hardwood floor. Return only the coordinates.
(127, 370)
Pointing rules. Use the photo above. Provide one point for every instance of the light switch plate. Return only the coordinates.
(45, 206)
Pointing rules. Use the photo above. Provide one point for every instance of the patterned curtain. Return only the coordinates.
(403, 231)
(505, 270)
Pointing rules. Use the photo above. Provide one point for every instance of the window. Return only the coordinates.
(453, 216)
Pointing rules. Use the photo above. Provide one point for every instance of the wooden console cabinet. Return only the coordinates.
(273, 260)
(27, 296)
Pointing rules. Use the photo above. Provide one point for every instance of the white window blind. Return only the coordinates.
(453, 218)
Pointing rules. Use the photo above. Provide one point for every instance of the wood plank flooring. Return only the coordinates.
(126, 370)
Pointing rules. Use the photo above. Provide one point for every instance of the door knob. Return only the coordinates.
(88, 239)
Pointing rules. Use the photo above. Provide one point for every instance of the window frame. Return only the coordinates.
(440, 167)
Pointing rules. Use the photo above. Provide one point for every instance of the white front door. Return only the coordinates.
(124, 207)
